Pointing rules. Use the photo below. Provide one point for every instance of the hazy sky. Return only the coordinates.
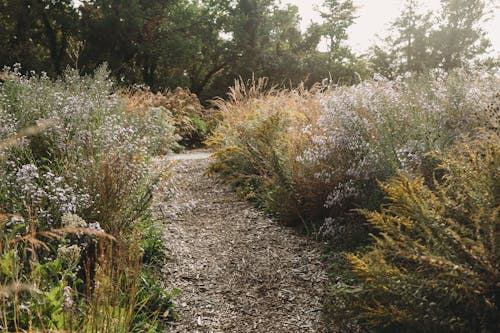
(374, 17)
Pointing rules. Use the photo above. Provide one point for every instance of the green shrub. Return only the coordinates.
(154, 307)
(152, 244)
(434, 264)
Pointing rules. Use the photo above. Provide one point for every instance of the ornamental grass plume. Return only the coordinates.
(256, 145)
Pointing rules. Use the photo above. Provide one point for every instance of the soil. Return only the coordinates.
(238, 270)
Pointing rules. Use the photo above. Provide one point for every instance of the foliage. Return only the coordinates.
(205, 45)
(37, 33)
(191, 120)
(126, 297)
(154, 306)
(257, 143)
(199, 45)
(459, 36)
(367, 132)
(421, 40)
(151, 243)
(338, 16)
(75, 188)
(306, 156)
(434, 263)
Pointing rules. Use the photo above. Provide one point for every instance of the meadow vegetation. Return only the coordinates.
(412, 161)
(79, 243)
(399, 176)
(191, 120)
(397, 172)
(433, 265)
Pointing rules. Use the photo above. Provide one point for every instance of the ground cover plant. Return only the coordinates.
(77, 232)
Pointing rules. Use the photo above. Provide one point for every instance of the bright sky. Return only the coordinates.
(374, 17)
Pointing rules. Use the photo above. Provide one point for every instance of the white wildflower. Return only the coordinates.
(73, 221)
(68, 302)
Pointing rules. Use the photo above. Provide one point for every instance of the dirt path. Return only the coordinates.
(238, 270)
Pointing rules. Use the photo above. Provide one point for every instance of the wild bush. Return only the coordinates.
(75, 164)
(370, 131)
(315, 155)
(39, 279)
(191, 120)
(434, 264)
(256, 147)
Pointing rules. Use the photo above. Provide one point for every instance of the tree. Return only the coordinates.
(58, 19)
(251, 28)
(412, 43)
(35, 33)
(265, 40)
(383, 60)
(421, 41)
(338, 17)
(201, 45)
(409, 48)
(342, 66)
(212, 54)
(164, 44)
(118, 32)
(460, 37)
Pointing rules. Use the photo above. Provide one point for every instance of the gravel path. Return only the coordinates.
(238, 270)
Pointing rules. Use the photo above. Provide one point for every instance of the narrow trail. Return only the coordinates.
(238, 270)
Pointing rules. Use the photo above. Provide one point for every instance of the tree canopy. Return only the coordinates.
(421, 40)
(206, 45)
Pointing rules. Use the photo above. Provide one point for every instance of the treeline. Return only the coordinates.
(449, 38)
(205, 45)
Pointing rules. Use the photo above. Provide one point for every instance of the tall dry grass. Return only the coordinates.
(262, 132)
(192, 121)
(310, 157)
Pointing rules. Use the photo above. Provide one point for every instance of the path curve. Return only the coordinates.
(199, 154)
(238, 270)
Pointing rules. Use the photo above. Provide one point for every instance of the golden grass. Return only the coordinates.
(263, 128)
(181, 103)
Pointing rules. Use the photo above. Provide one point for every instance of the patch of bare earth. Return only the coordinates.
(238, 270)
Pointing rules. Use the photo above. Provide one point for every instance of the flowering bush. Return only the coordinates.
(324, 152)
(368, 131)
(76, 182)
